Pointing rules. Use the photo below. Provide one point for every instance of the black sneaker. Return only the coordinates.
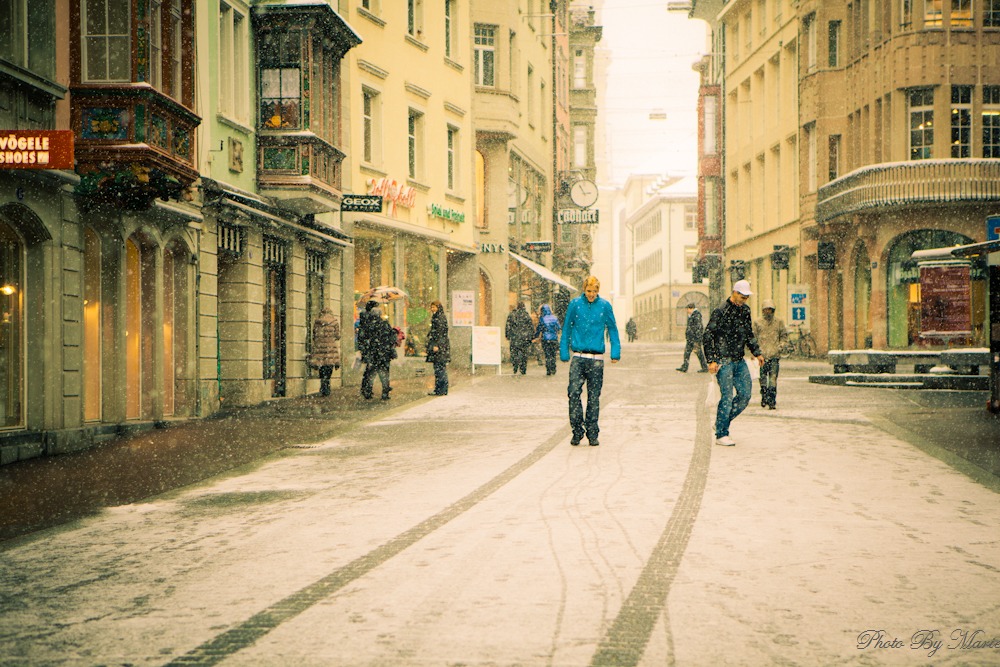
(681, 370)
(575, 441)
(593, 443)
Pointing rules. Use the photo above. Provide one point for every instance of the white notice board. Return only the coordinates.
(486, 347)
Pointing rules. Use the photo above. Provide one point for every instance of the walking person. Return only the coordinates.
(377, 343)
(519, 332)
(728, 333)
(439, 348)
(773, 338)
(548, 333)
(325, 354)
(693, 335)
(587, 319)
(631, 329)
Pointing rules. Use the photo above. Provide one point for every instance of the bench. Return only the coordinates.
(966, 361)
(881, 361)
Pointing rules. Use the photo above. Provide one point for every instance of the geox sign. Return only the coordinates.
(577, 216)
(361, 204)
(36, 149)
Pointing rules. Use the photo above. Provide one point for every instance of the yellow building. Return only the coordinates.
(513, 112)
(761, 146)
(412, 142)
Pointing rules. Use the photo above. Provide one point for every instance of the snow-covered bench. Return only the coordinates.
(881, 361)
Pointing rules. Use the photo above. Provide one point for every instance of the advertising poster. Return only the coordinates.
(945, 300)
(463, 308)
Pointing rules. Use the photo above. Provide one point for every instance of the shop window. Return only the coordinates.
(92, 329)
(11, 328)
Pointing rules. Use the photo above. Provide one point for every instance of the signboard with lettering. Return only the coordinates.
(36, 149)
(577, 216)
(463, 308)
(798, 304)
(361, 204)
(444, 213)
(396, 193)
(537, 246)
(946, 300)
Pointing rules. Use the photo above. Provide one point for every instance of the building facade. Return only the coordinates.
(664, 232)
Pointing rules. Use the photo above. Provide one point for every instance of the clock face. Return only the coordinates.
(583, 193)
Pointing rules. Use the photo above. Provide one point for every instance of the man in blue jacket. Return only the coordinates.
(587, 318)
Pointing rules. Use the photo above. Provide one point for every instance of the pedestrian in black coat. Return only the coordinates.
(520, 332)
(377, 343)
(439, 348)
(693, 336)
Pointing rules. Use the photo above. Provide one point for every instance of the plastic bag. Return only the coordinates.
(357, 361)
(754, 369)
(714, 394)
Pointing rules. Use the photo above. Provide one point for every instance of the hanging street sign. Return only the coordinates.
(537, 246)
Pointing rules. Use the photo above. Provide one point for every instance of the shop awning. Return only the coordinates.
(543, 271)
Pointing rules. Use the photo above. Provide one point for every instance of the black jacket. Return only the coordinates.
(438, 337)
(729, 331)
(695, 330)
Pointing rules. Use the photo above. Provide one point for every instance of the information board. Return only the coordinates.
(945, 300)
(486, 347)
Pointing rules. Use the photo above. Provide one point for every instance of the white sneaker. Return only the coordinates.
(725, 441)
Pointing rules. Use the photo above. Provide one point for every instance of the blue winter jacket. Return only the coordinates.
(548, 325)
(583, 328)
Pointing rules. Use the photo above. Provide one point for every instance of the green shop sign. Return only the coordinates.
(436, 211)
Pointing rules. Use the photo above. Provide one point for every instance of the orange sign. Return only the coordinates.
(36, 149)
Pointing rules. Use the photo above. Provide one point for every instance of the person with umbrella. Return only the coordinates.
(439, 348)
(377, 344)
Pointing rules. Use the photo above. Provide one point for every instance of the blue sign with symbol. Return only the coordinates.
(798, 298)
(993, 228)
(798, 314)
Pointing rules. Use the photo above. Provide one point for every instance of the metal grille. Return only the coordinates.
(274, 251)
(316, 263)
(231, 239)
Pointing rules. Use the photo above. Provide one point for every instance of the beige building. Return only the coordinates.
(512, 75)
(761, 163)
(412, 141)
(900, 127)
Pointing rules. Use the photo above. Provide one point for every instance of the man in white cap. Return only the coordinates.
(728, 333)
(772, 337)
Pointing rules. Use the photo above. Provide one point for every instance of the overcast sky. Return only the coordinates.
(652, 51)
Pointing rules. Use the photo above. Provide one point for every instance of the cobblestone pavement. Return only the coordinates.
(465, 530)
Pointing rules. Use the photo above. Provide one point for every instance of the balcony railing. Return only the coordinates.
(903, 184)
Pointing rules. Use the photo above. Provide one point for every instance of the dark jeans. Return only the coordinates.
(693, 346)
(519, 358)
(368, 380)
(551, 349)
(440, 378)
(325, 373)
(769, 382)
(732, 376)
(590, 372)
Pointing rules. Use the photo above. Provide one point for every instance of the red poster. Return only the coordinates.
(945, 300)
(36, 149)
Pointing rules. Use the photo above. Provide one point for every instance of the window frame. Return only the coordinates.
(961, 122)
(990, 121)
(484, 40)
(415, 143)
(106, 39)
(924, 111)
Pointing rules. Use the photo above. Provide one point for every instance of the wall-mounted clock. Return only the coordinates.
(583, 193)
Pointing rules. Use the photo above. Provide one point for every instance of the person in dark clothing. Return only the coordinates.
(377, 343)
(439, 348)
(631, 329)
(693, 334)
(519, 331)
(325, 354)
(728, 333)
(548, 333)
